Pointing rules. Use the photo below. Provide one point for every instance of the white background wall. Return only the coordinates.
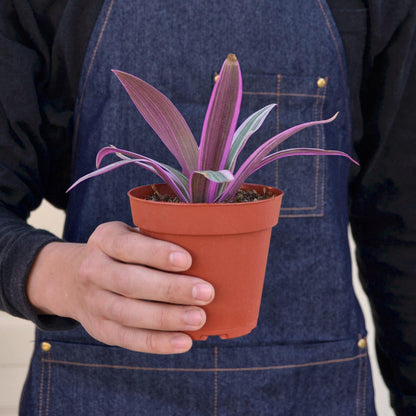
(17, 337)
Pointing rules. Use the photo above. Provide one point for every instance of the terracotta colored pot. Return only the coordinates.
(229, 244)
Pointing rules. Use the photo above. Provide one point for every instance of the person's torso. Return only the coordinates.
(303, 357)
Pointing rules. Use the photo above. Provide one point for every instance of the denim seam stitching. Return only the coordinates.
(42, 371)
(279, 78)
(357, 399)
(48, 387)
(283, 94)
(320, 133)
(84, 86)
(216, 381)
(340, 62)
(200, 370)
(365, 384)
(323, 159)
(320, 130)
(318, 136)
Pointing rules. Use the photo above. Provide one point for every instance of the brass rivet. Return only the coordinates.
(362, 343)
(46, 346)
(216, 76)
(322, 82)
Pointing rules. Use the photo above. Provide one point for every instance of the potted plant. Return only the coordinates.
(207, 208)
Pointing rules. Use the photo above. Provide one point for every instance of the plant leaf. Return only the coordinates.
(220, 122)
(221, 117)
(255, 159)
(180, 180)
(98, 172)
(162, 171)
(198, 181)
(244, 132)
(164, 118)
(302, 151)
(122, 154)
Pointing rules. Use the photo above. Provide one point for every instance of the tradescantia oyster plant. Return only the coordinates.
(208, 170)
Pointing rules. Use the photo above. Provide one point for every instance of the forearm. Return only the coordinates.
(19, 246)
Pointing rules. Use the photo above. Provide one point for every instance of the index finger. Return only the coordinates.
(127, 244)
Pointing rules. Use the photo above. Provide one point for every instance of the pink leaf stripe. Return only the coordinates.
(255, 160)
(164, 118)
(220, 121)
(153, 166)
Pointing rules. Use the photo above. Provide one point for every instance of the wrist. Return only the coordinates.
(49, 282)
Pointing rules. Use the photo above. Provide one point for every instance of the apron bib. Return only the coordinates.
(304, 358)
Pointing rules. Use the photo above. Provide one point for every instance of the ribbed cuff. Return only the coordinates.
(17, 260)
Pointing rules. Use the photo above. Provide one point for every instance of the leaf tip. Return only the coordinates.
(118, 74)
(231, 57)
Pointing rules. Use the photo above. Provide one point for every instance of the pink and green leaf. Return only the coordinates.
(221, 117)
(165, 172)
(200, 179)
(220, 122)
(180, 180)
(244, 132)
(99, 172)
(255, 160)
(302, 151)
(164, 118)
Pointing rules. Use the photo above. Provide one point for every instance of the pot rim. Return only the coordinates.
(131, 194)
(203, 218)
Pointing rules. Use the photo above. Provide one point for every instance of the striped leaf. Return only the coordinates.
(244, 132)
(255, 160)
(165, 172)
(199, 180)
(164, 118)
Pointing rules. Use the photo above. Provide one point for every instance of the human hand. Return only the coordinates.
(122, 288)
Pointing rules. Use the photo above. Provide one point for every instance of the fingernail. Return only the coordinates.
(181, 342)
(179, 260)
(194, 317)
(202, 291)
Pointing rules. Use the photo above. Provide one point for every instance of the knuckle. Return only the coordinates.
(86, 270)
(163, 319)
(151, 343)
(121, 282)
(99, 233)
(105, 231)
(117, 310)
(157, 251)
(100, 332)
(118, 245)
(124, 339)
(171, 289)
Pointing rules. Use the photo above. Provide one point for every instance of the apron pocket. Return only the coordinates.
(298, 99)
(314, 379)
(322, 379)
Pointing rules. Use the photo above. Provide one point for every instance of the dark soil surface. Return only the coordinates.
(241, 196)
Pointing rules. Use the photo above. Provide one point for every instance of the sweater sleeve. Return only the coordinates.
(37, 95)
(383, 203)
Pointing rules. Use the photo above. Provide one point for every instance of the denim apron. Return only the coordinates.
(308, 354)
